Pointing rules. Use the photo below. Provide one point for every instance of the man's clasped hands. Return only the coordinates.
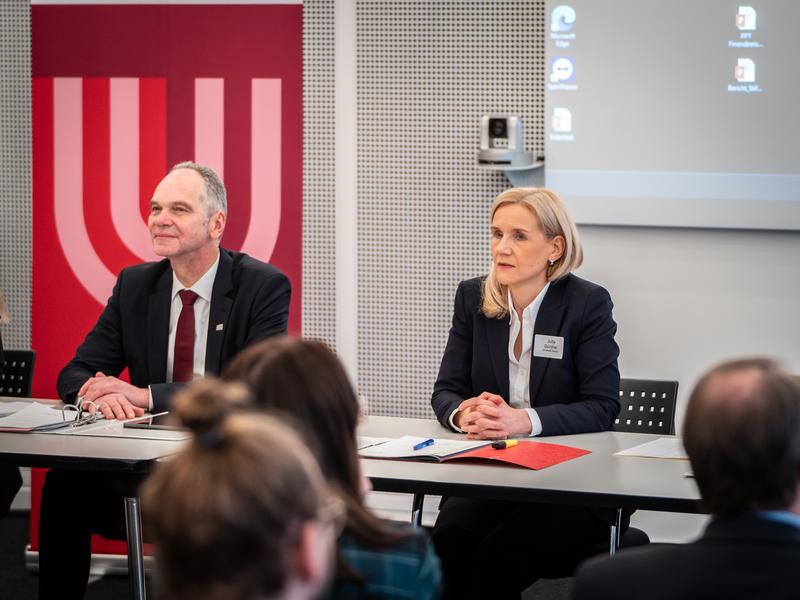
(114, 398)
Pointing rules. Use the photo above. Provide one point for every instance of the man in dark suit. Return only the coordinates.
(742, 435)
(167, 322)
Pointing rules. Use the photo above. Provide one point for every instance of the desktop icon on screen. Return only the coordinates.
(746, 18)
(562, 69)
(745, 70)
(562, 18)
(561, 121)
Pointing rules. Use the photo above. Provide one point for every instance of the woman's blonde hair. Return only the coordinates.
(554, 220)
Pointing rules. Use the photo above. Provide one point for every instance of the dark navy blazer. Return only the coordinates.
(737, 557)
(250, 300)
(578, 393)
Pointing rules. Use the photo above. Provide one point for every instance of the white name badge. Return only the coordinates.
(548, 346)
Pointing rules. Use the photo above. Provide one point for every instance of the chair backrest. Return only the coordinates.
(647, 406)
(16, 373)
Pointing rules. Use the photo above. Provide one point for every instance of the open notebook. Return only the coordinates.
(403, 448)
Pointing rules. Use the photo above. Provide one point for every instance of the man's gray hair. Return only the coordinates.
(215, 197)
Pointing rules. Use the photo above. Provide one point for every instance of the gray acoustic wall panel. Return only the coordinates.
(15, 170)
(426, 72)
(319, 205)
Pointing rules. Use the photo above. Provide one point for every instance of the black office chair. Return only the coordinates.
(16, 373)
(647, 406)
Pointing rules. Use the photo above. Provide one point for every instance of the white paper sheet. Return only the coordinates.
(665, 447)
(36, 415)
(90, 428)
(7, 408)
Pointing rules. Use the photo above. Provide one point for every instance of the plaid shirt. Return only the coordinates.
(409, 570)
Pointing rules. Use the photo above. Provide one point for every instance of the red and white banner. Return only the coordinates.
(120, 94)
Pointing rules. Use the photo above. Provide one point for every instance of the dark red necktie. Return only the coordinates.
(183, 358)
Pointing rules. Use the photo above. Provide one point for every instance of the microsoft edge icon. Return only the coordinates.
(562, 18)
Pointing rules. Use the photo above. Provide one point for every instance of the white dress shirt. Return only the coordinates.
(519, 371)
(203, 288)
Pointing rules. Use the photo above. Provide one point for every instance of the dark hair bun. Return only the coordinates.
(204, 405)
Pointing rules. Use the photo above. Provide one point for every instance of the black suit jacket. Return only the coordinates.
(575, 394)
(737, 557)
(249, 298)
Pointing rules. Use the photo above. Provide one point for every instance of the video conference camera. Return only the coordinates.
(503, 142)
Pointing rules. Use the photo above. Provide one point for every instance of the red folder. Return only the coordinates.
(531, 455)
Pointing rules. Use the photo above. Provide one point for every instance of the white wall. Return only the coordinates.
(346, 186)
(686, 299)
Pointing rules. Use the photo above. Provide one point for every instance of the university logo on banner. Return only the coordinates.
(120, 94)
(109, 153)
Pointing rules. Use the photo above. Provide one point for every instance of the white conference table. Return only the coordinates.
(94, 453)
(599, 479)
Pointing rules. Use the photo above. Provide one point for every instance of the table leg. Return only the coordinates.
(416, 510)
(133, 525)
(616, 525)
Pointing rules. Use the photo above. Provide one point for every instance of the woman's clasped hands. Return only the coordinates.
(488, 417)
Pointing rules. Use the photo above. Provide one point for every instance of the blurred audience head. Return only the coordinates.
(742, 434)
(241, 513)
(303, 382)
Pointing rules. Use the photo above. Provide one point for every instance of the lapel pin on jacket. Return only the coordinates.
(220, 326)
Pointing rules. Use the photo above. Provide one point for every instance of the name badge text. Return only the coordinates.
(548, 346)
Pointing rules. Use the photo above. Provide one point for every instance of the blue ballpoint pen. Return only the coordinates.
(421, 445)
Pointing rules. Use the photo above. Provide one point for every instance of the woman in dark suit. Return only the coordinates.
(531, 352)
